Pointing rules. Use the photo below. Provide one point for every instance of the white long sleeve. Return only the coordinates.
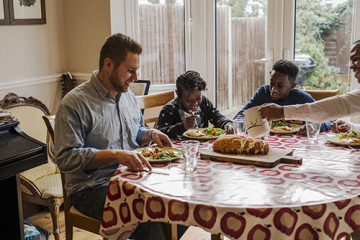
(355, 127)
(326, 109)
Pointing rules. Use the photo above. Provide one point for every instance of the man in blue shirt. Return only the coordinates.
(281, 91)
(98, 124)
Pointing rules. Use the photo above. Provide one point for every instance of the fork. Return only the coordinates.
(194, 113)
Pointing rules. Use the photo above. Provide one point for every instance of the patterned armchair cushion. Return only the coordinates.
(31, 123)
(47, 185)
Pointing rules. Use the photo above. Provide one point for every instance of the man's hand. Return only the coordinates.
(271, 111)
(229, 129)
(161, 139)
(340, 126)
(133, 160)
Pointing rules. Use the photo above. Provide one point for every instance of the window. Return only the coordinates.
(161, 33)
(241, 43)
(322, 43)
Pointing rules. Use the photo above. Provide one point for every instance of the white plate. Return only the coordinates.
(296, 128)
(178, 152)
(200, 138)
(335, 139)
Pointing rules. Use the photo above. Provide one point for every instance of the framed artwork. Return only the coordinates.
(4, 12)
(27, 11)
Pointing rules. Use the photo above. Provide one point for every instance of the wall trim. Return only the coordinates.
(80, 77)
(30, 81)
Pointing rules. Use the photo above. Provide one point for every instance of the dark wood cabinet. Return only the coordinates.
(18, 152)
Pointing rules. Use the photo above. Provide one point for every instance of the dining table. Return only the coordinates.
(317, 199)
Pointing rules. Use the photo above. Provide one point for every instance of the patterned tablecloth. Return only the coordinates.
(315, 200)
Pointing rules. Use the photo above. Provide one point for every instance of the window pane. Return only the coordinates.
(162, 37)
(241, 32)
(322, 43)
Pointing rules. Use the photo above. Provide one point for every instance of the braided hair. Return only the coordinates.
(190, 80)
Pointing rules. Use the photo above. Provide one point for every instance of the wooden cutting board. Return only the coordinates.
(274, 157)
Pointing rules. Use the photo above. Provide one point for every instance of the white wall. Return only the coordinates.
(33, 57)
(87, 26)
(30, 56)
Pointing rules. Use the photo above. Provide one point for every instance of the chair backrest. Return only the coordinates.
(50, 124)
(140, 87)
(29, 112)
(321, 94)
(151, 104)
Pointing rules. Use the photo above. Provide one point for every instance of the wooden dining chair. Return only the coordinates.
(73, 218)
(321, 94)
(40, 185)
(151, 104)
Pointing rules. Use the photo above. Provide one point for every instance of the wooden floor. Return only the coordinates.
(43, 219)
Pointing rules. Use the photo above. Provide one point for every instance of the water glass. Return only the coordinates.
(313, 130)
(190, 149)
(239, 127)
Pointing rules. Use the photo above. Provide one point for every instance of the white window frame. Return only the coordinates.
(288, 31)
(200, 44)
(200, 30)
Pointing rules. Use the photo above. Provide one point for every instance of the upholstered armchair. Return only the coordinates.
(40, 185)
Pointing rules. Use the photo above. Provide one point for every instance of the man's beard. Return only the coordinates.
(118, 88)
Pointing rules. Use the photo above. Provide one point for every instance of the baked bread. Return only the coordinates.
(240, 145)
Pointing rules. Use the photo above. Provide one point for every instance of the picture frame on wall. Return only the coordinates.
(27, 11)
(4, 12)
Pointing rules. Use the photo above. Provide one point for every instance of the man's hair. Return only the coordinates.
(288, 68)
(189, 80)
(116, 48)
(357, 41)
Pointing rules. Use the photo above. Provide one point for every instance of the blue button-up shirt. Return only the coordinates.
(88, 120)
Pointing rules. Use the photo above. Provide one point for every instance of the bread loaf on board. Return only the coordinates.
(240, 145)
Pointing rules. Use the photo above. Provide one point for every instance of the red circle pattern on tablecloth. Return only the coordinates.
(317, 200)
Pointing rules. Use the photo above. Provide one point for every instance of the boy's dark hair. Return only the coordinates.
(357, 41)
(189, 80)
(116, 48)
(288, 68)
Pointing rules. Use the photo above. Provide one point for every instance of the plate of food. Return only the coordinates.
(284, 127)
(159, 155)
(204, 133)
(345, 139)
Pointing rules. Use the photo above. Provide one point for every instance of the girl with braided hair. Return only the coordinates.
(190, 108)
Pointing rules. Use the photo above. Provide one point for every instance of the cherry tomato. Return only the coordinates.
(213, 132)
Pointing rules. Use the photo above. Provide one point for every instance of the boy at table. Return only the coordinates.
(176, 116)
(325, 109)
(281, 91)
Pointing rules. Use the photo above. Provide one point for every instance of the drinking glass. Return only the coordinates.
(239, 127)
(313, 130)
(190, 149)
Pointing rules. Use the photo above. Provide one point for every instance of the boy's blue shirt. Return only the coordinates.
(296, 96)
